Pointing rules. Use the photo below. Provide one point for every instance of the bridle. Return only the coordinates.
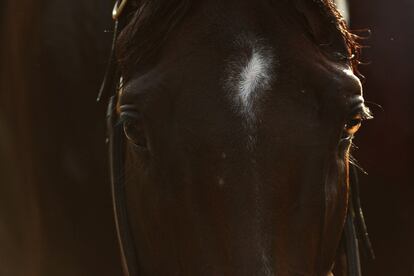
(355, 230)
(116, 141)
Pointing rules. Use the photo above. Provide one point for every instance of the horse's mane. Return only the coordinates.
(150, 21)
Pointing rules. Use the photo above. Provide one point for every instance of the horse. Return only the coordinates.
(230, 132)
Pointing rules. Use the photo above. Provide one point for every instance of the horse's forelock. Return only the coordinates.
(148, 27)
(352, 40)
(151, 21)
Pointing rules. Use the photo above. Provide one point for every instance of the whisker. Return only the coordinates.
(375, 104)
(354, 162)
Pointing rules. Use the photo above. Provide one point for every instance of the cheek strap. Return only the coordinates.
(355, 230)
(116, 140)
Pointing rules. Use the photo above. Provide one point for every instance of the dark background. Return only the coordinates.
(386, 143)
(55, 207)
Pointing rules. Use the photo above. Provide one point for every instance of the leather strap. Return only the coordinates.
(351, 244)
(355, 228)
(119, 201)
(359, 214)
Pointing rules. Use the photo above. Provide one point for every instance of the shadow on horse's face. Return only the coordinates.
(237, 153)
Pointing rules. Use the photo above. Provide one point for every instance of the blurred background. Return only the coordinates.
(55, 206)
(386, 144)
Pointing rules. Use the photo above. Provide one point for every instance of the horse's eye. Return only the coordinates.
(352, 126)
(134, 131)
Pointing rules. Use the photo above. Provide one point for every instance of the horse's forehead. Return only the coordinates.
(249, 73)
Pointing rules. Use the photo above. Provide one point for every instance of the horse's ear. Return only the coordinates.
(322, 24)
